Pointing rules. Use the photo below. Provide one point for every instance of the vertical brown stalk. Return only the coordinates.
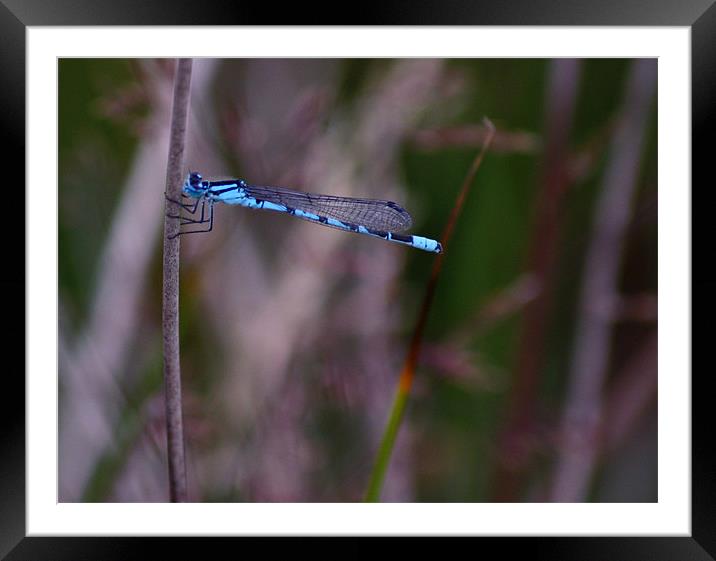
(582, 417)
(515, 452)
(170, 301)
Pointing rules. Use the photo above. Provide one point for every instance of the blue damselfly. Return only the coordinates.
(381, 219)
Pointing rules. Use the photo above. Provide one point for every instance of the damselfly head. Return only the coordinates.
(193, 185)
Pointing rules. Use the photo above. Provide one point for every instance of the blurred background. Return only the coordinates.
(538, 376)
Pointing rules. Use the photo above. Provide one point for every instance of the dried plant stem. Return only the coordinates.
(408, 372)
(514, 453)
(583, 417)
(170, 302)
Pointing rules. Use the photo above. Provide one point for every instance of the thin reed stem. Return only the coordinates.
(516, 438)
(583, 416)
(408, 372)
(170, 301)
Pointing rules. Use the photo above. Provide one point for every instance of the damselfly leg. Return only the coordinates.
(191, 209)
(183, 220)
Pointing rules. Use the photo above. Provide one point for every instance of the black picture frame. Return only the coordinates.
(16, 15)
